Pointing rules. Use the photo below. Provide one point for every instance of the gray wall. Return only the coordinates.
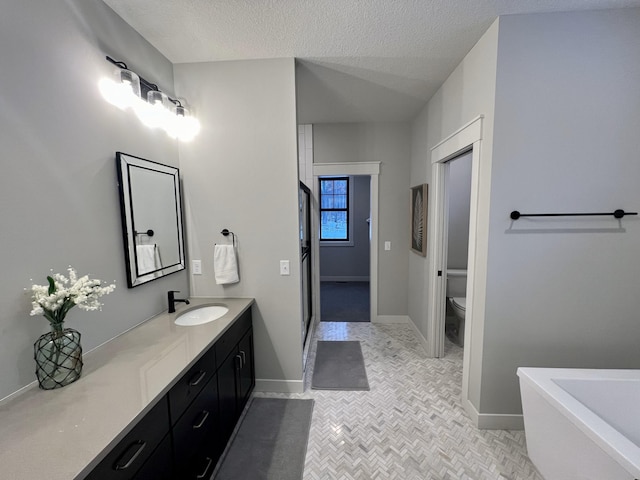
(241, 173)
(351, 261)
(566, 139)
(390, 144)
(58, 191)
(468, 92)
(459, 190)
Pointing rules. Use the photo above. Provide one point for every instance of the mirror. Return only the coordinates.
(151, 207)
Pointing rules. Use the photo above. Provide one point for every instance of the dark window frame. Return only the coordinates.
(345, 209)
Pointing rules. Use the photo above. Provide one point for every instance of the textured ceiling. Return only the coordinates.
(358, 60)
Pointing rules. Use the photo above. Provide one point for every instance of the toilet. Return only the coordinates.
(456, 297)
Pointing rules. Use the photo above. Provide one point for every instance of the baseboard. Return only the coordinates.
(421, 339)
(493, 421)
(279, 386)
(391, 319)
(352, 278)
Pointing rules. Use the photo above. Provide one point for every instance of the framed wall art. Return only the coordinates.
(418, 219)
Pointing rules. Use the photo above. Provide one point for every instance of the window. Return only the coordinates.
(334, 209)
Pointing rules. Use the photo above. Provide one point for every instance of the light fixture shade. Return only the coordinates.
(122, 90)
(154, 113)
(183, 126)
(155, 109)
(131, 79)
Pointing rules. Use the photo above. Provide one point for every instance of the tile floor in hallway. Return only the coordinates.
(410, 425)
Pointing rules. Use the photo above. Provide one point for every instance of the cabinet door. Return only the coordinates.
(247, 377)
(160, 463)
(227, 394)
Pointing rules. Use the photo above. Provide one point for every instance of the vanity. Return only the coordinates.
(157, 402)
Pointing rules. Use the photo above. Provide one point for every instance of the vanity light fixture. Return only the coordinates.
(153, 107)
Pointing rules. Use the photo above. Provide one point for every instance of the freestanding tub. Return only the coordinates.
(582, 424)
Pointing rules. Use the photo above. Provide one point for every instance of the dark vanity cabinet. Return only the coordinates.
(184, 434)
(138, 448)
(236, 374)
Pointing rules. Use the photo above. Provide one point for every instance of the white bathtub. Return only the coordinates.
(582, 424)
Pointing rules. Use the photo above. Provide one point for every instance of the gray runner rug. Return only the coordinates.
(271, 442)
(339, 366)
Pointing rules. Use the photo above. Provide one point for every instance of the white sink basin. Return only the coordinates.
(201, 315)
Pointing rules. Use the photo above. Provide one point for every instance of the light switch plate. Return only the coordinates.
(196, 267)
(387, 245)
(284, 267)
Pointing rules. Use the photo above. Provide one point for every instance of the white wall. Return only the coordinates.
(241, 173)
(566, 139)
(58, 188)
(388, 143)
(468, 92)
(351, 262)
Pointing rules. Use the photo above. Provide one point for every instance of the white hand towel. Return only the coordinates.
(225, 264)
(148, 258)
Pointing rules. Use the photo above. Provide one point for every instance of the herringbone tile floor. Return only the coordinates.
(410, 425)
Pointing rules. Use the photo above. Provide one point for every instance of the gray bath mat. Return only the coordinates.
(339, 366)
(271, 442)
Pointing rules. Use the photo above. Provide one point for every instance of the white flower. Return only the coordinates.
(63, 293)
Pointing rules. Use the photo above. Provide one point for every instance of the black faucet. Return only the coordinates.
(173, 300)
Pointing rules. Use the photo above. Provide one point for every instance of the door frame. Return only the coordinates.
(467, 138)
(372, 170)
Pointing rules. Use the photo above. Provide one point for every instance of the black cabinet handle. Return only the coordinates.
(239, 362)
(138, 446)
(206, 469)
(205, 415)
(201, 374)
(244, 359)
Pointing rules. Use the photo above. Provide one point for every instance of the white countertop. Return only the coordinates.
(58, 434)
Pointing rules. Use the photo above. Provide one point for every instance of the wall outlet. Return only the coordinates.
(387, 245)
(284, 267)
(196, 267)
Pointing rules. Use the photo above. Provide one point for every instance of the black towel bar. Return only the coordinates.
(148, 233)
(515, 215)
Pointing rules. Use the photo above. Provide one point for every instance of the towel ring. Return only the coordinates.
(226, 233)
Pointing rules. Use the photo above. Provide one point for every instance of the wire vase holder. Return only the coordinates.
(58, 356)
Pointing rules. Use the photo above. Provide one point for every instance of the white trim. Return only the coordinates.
(390, 319)
(458, 140)
(419, 336)
(351, 168)
(493, 421)
(465, 138)
(337, 278)
(371, 169)
(279, 386)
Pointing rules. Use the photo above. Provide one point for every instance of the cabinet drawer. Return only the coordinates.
(191, 383)
(226, 343)
(126, 458)
(197, 424)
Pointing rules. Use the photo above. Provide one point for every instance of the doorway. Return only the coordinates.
(458, 193)
(345, 216)
(467, 139)
(372, 171)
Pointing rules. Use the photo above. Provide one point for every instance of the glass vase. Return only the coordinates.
(58, 356)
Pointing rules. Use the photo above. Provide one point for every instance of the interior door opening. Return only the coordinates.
(345, 250)
(458, 206)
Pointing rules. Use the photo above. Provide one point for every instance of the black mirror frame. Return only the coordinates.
(124, 161)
